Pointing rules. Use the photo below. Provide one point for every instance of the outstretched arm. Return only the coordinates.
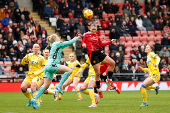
(68, 43)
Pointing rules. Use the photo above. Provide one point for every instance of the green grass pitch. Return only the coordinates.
(126, 102)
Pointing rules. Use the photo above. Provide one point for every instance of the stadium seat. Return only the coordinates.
(151, 43)
(143, 38)
(136, 43)
(111, 15)
(127, 50)
(105, 15)
(128, 38)
(7, 70)
(144, 33)
(158, 33)
(66, 20)
(120, 4)
(138, 32)
(8, 63)
(151, 38)
(127, 56)
(107, 32)
(144, 42)
(158, 37)
(123, 42)
(122, 38)
(53, 21)
(102, 32)
(135, 38)
(2, 63)
(151, 33)
(128, 44)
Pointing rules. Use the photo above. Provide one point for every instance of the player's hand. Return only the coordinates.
(79, 35)
(113, 41)
(155, 65)
(140, 68)
(104, 74)
(84, 45)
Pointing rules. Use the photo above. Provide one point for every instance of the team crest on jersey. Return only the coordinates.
(94, 61)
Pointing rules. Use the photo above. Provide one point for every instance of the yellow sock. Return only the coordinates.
(78, 93)
(27, 94)
(150, 87)
(60, 95)
(34, 93)
(39, 99)
(85, 92)
(144, 94)
(92, 95)
(50, 92)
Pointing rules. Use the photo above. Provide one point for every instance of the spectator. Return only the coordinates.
(124, 30)
(132, 29)
(118, 63)
(149, 15)
(26, 13)
(29, 26)
(141, 78)
(73, 28)
(31, 19)
(110, 22)
(164, 50)
(157, 25)
(154, 16)
(157, 47)
(72, 5)
(106, 7)
(127, 4)
(29, 45)
(43, 32)
(113, 47)
(37, 26)
(114, 7)
(117, 71)
(73, 20)
(127, 11)
(78, 12)
(114, 34)
(121, 45)
(121, 52)
(2, 71)
(48, 11)
(4, 56)
(141, 63)
(17, 15)
(139, 24)
(65, 29)
(133, 15)
(92, 7)
(147, 24)
(80, 3)
(165, 16)
(136, 6)
(164, 57)
(16, 4)
(118, 22)
(86, 3)
(64, 12)
(23, 19)
(60, 21)
(79, 51)
(104, 24)
(135, 54)
(10, 39)
(143, 54)
(98, 12)
(124, 70)
(115, 27)
(21, 72)
(81, 28)
(14, 66)
(166, 29)
(5, 21)
(164, 41)
(61, 4)
(132, 20)
(112, 55)
(163, 62)
(2, 14)
(53, 4)
(12, 54)
(164, 71)
(148, 6)
(17, 33)
(97, 22)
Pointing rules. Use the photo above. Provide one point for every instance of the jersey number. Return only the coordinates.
(55, 54)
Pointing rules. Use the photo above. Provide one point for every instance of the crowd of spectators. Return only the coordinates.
(129, 17)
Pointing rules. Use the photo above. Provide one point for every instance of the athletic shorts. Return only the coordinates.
(155, 78)
(96, 57)
(35, 79)
(92, 77)
(50, 70)
(72, 77)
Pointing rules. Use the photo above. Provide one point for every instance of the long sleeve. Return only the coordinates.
(84, 40)
(24, 60)
(145, 69)
(104, 44)
(68, 43)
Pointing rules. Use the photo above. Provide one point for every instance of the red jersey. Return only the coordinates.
(103, 68)
(93, 42)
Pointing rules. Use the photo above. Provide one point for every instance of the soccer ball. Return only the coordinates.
(88, 13)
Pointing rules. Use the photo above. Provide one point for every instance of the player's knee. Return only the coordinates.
(112, 63)
(142, 86)
(23, 88)
(74, 86)
(70, 71)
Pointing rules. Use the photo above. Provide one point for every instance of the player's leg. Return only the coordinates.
(75, 83)
(147, 82)
(84, 87)
(67, 72)
(24, 86)
(40, 84)
(153, 87)
(97, 76)
(34, 84)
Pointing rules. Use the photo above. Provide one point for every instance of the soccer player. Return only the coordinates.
(52, 66)
(154, 75)
(89, 83)
(46, 54)
(35, 63)
(74, 65)
(92, 42)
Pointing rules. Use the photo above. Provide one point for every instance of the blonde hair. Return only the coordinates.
(51, 39)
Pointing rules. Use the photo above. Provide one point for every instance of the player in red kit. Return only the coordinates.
(93, 43)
